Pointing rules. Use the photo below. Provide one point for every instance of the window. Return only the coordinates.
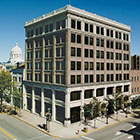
(36, 31)
(63, 24)
(102, 77)
(86, 40)
(102, 66)
(126, 88)
(57, 52)
(111, 33)
(78, 65)
(91, 65)
(102, 43)
(86, 65)
(58, 25)
(120, 35)
(78, 25)
(116, 34)
(107, 32)
(79, 52)
(91, 78)
(97, 78)
(75, 95)
(100, 92)
(97, 54)
(91, 53)
(72, 79)
(86, 27)
(46, 29)
(73, 38)
(86, 78)
(102, 54)
(102, 31)
(72, 65)
(78, 38)
(57, 79)
(86, 52)
(78, 79)
(72, 51)
(88, 94)
(97, 66)
(73, 23)
(107, 44)
(111, 45)
(51, 27)
(91, 28)
(40, 30)
(91, 40)
(97, 30)
(97, 42)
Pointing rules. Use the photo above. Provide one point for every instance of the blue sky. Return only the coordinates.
(14, 14)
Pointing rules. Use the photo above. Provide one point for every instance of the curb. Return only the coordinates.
(34, 127)
(99, 128)
(73, 136)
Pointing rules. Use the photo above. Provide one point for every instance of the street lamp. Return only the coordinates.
(48, 117)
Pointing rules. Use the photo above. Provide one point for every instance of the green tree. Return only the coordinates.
(126, 103)
(5, 84)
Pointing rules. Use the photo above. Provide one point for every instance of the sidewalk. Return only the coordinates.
(58, 130)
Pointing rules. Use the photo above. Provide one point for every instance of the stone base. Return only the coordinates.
(67, 123)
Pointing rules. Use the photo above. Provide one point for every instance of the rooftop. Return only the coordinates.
(82, 13)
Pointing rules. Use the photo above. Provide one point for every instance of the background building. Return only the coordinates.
(135, 84)
(71, 56)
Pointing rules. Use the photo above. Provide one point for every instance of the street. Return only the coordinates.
(127, 130)
(11, 128)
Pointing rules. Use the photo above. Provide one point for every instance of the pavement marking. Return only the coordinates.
(87, 138)
(37, 137)
(119, 137)
(118, 133)
(134, 126)
(8, 134)
(129, 137)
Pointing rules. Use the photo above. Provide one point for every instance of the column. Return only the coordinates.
(67, 121)
(42, 102)
(33, 100)
(24, 98)
(43, 56)
(82, 104)
(105, 92)
(53, 59)
(94, 92)
(53, 106)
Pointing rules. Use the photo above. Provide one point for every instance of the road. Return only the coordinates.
(126, 130)
(11, 128)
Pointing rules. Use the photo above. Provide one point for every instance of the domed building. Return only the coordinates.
(16, 55)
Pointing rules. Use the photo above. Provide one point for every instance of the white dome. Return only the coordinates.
(16, 50)
(16, 55)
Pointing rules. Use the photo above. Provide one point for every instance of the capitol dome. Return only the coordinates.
(16, 55)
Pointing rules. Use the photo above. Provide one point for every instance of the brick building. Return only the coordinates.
(71, 56)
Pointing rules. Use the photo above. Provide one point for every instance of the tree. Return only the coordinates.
(126, 103)
(5, 84)
(95, 111)
(17, 96)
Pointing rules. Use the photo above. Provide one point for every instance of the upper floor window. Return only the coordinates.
(78, 25)
(73, 23)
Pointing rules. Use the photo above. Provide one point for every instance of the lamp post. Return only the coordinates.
(48, 118)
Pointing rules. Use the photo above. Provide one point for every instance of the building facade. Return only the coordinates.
(71, 56)
(135, 84)
(135, 62)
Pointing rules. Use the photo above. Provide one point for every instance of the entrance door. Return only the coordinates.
(75, 114)
(29, 104)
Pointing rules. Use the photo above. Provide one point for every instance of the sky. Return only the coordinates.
(14, 14)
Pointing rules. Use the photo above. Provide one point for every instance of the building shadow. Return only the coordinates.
(135, 132)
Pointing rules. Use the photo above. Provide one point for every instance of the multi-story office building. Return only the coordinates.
(71, 56)
(135, 82)
(135, 62)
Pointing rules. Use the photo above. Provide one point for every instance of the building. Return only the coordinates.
(135, 84)
(71, 56)
(18, 74)
(135, 62)
(16, 55)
